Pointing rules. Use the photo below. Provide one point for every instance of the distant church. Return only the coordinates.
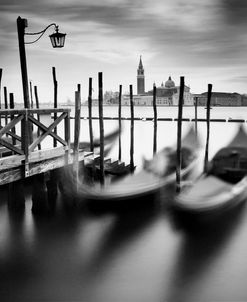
(166, 95)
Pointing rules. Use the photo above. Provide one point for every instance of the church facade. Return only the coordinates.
(166, 94)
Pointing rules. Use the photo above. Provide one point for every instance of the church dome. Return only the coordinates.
(169, 83)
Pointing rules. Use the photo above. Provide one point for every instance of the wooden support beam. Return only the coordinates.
(48, 131)
(11, 124)
(45, 130)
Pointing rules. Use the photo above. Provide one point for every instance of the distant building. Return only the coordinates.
(221, 99)
(166, 95)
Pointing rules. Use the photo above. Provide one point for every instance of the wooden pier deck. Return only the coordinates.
(20, 152)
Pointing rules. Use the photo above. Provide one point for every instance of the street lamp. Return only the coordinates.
(57, 41)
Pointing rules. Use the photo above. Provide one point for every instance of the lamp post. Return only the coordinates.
(57, 40)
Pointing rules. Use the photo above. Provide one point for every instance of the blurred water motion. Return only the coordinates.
(144, 254)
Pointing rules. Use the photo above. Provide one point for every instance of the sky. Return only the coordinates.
(203, 40)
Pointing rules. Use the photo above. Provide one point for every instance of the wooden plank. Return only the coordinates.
(34, 111)
(36, 168)
(55, 101)
(10, 146)
(11, 161)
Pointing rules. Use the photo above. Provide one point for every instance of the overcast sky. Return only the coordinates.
(203, 40)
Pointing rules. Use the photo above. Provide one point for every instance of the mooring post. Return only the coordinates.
(90, 89)
(77, 138)
(179, 133)
(208, 128)
(16, 196)
(37, 106)
(55, 101)
(196, 104)
(155, 120)
(12, 106)
(101, 127)
(39, 195)
(1, 72)
(31, 94)
(132, 168)
(120, 123)
(5, 103)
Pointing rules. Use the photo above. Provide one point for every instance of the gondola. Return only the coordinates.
(224, 186)
(149, 180)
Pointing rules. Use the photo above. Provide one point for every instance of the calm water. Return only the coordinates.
(141, 255)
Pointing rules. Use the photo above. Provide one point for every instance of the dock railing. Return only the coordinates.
(21, 147)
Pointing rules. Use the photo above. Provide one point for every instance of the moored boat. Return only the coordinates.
(224, 186)
(156, 174)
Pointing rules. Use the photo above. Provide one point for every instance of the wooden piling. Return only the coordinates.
(179, 133)
(1, 72)
(16, 196)
(40, 203)
(5, 102)
(101, 127)
(90, 114)
(131, 130)
(155, 120)
(31, 94)
(208, 127)
(119, 123)
(55, 101)
(77, 137)
(196, 104)
(37, 106)
(12, 106)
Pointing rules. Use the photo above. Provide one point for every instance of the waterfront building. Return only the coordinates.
(166, 94)
(222, 99)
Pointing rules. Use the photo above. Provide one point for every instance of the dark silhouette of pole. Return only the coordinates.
(155, 120)
(12, 106)
(5, 102)
(131, 130)
(37, 106)
(31, 94)
(208, 127)
(101, 127)
(1, 72)
(90, 89)
(21, 25)
(119, 123)
(196, 103)
(179, 133)
(55, 101)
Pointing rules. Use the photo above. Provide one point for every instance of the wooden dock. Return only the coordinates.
(25, 159)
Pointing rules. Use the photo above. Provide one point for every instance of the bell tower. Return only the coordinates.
(140, 78)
